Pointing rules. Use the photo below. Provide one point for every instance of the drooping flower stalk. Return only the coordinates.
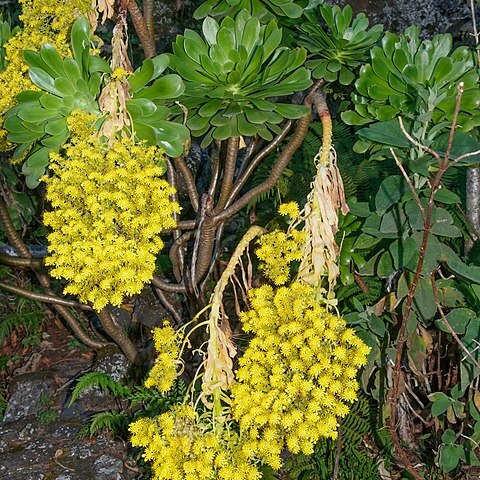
(320, 215)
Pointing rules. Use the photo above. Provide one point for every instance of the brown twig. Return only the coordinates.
(42, 297)
(146, 39)
(169, 306)
(435, 184)
(188, 181)
(417, 143)
(117, 335)
(410, 184)
(338, 452)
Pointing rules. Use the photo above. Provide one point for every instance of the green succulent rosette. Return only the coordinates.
(264, 10)
(337, 46)
(417, 80)
(38, 124)
(150, 91)
(231, 72)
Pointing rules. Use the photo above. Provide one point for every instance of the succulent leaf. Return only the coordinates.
(264, 10)
(230, 72)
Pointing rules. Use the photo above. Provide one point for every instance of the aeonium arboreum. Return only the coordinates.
(417, 80)
(338, 46)
(38, 124)
(231, 71)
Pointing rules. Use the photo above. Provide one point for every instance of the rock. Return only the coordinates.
(26, 394)
(108, 468)
(436, 16)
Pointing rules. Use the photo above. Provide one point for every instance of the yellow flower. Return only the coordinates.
(291, 209)
(182, 448)
(297, 398)
(44, 21)
(277, 251)
(90, 233)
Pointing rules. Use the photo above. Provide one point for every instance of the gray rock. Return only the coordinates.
(26, 393)
(108, 468)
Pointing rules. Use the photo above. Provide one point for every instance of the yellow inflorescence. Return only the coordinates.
(182, 449)
(291, 209)
(277, 251)
(109, 207)
(164, 371)
(297, 375)
(44, 21)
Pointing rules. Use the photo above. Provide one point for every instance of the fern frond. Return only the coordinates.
(14, 321)
(103, 421)
(102, 381)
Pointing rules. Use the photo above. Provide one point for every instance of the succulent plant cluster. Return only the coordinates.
(231, 71)
(412, 77)
(336, 44)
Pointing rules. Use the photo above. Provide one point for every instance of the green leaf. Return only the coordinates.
(424, 300)
(142, 75)
(402, 251)
(386, 133)
(385, 265)
(80, 40)
(448, 436)
(450, 456)
(166, 87)
(43, 80)
(458, 319)
(390, 192)
(440, 403)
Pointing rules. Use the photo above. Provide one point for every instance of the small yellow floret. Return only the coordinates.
(291, 209)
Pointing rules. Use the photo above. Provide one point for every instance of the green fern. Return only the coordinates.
(29, 321)
(100, 380)
(106, 421)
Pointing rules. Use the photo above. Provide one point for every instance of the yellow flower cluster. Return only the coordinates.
(181, 448)
(277, 251)
(290, 209)
(109, 205)
(44, 21)
(297, 375)
(164, 371)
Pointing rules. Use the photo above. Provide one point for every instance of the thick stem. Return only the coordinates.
(301, 130)
(20, 262)
(168, 287)
(178, 260)
(188, 181)
(13, 236)
(228, 173)
(117, 335)
(148, 43)
(148, 16)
